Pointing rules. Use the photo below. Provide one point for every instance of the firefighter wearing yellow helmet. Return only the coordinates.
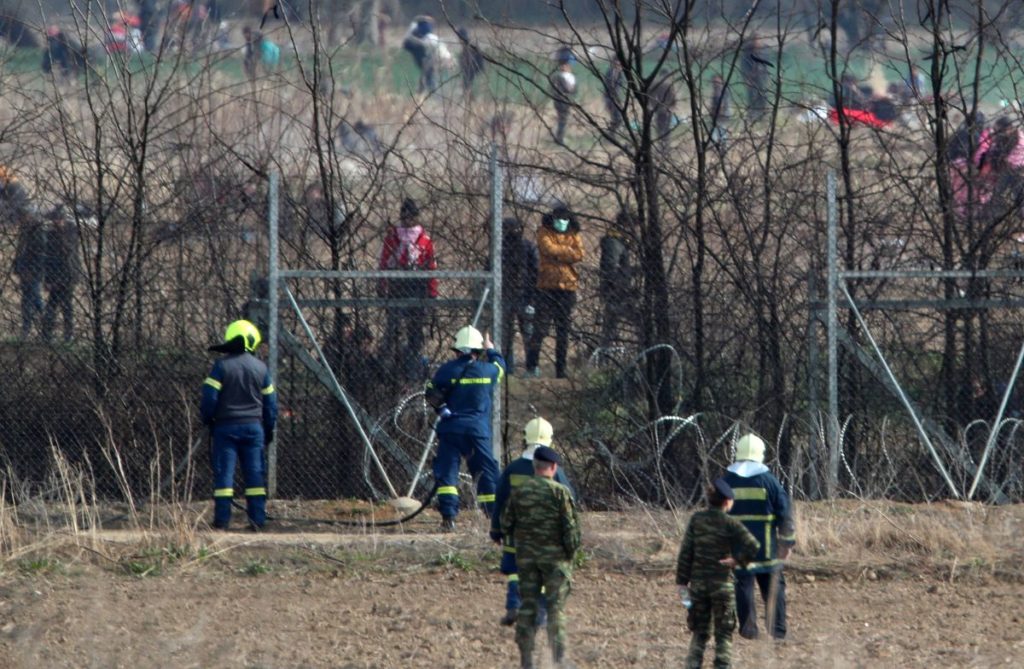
(239, 405)
(764, 507)
(462, 393)
(538, 432)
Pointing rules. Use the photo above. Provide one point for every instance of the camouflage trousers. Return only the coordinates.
(713, 610)
(556, 579)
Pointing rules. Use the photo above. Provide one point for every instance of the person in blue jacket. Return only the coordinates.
(764, 507)
(239, 405)
(462, 393)
(538, 432)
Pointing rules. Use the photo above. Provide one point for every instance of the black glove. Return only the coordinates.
(496, 536)
(268, 436)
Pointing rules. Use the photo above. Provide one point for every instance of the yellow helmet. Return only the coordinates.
(468, 339)
(538, 431)
(750, 447)
(249, 333)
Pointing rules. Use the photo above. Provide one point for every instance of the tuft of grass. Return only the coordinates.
(454, 559)
(255, 567)
(40, 566)
(143, 568)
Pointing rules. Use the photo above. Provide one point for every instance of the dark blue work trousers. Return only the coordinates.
(746, 610)
(451, 448)
(238, 442)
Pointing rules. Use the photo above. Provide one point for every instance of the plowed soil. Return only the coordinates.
(418, 599)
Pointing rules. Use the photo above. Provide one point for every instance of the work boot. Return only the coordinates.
(510, 617)
(447, 525)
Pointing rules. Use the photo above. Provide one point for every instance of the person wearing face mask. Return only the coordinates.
(560, 245)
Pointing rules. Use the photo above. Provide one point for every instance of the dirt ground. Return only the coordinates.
(418, 599)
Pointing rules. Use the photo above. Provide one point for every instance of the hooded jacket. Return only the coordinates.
(409, 248)
(560, 252)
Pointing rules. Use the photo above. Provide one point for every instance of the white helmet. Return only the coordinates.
(468, 339)
(538, 431)
(750, 447)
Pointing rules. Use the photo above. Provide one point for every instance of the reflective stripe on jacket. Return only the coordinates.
(763, 506)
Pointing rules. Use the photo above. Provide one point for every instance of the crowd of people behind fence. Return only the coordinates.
(541, 281)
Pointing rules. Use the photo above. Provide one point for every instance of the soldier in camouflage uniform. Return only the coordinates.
(713, 545)
(542, 520)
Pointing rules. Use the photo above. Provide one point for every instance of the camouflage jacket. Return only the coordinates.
(712, 535)
(542, 520)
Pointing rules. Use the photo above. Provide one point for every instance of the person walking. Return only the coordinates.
(537, 433)
(754, 69)
(721, 113)
(560, 246)
(563, 91)
(764, 508)
(61, 270)
(542, 520)
(421, 42)
(471, 61)
(239, 405)
(614, 84)
(714, 544)
(462, 393)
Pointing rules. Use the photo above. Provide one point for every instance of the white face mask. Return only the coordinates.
(560, 224)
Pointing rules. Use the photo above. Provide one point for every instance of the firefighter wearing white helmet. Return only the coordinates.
(462, 393)
(764, 507)
(537, 432)
(239, 405)
(468, 339)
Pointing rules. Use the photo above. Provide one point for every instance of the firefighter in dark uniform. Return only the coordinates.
(239, 405)
(462, 392)
(538, 432)
(763, 506)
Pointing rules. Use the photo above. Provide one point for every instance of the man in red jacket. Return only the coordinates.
(407, 247)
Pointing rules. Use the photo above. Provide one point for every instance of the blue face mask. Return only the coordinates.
(560, 224)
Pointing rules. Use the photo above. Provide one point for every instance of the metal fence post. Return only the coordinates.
(272, 308)
(833, 323)
(814, 446)
(495, 281)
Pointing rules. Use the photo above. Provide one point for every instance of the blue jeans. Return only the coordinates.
(451, 449)
(244, 442)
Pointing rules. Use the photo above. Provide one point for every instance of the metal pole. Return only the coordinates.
(814, 408)
(903, 397)
(272, 320)
(833, 324)
(995, 425)
(495, 285)
(340, 392)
